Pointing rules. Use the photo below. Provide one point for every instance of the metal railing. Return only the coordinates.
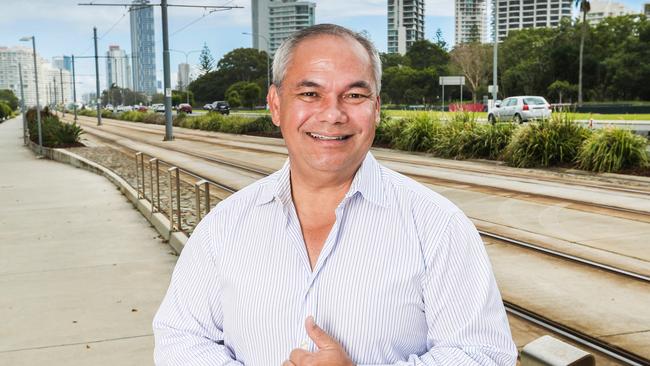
(184, 197)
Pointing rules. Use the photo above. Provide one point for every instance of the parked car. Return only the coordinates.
(520, 109)
(124, 108)
(141, 108)
(108, 107)
(221, 107)
(207, 107)
(184, 107)
(158, 107)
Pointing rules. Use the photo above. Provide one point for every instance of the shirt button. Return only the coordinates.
(304, 345)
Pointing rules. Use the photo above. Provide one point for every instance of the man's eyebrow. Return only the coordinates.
(308, 84)
(360, 84)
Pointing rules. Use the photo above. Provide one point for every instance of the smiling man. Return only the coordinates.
(334, 259)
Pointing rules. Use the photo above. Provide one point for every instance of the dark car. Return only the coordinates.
(221, 107)
(184, 107)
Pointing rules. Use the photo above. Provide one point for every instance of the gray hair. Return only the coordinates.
(283, 55)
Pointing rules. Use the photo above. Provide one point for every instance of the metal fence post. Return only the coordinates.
(178, 198)
(158, 185)
(171, 198)
(207, 197)
(137, 168)
(197, 207)
(144, 190)
(153, 203)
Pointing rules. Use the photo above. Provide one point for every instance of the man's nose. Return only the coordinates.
(332, 110)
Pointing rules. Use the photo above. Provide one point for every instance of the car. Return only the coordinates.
(158, 107)
(140, 108)
(108, 107)
(184, 107)
(520, 109)
(221, 107)
(208, 107)
(124, 108)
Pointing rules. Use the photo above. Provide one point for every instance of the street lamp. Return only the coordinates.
(38, 103)
(268, 58)
(187, 93)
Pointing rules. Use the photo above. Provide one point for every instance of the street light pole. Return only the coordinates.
(268, 58)
(495, 4)
(62, 95)
(56, 101)
(187, 93)
(38, 102)
(22, 102)
(98, 97)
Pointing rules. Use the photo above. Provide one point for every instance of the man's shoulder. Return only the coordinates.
(246, 198)
(414, 193)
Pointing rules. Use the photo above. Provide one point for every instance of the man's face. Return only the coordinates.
(327, 107)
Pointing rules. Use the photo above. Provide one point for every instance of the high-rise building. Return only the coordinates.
(143, 47)
(471, 21)
(183, 76)
(275, 20)
(405, 24)
(603, 9)
(646, 9)
(58, 83)
(118, 68)
(10, 78)
(520, 14)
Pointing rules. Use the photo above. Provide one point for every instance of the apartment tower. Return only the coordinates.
(275, 20)
(405, 24)
(520, 14)
(471, 21)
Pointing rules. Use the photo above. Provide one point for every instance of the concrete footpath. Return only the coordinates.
(81, 271)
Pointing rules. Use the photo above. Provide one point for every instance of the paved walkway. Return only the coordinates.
(81, 271)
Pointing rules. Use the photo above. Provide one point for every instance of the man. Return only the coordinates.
(334, 259)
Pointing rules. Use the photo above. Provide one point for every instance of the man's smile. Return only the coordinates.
(323, 137)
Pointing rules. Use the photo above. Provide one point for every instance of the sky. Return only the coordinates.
(62, 27)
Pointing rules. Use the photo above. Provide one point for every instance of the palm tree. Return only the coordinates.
(585, 7)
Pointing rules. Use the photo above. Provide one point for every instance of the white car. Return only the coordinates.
(124, 108)
(159, 107)
(520, 109)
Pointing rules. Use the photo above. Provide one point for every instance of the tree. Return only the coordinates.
(561, 88)
(475, 62)
(206, 61)
(585, 7)
(423, 54)
(10, 98)
(440, 40)
(248, 93)
(391, 60)
(233, 98)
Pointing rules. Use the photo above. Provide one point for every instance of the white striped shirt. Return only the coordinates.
(402, 279)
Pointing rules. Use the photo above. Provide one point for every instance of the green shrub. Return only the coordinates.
(546, 143)
(133, 116)
(492, 140)
(613, 149)
(456, 139)
(5, 111)
(388, 130)
(68, 133)
(106, 114)
(54, 132)
(154, 118)
(261, 125)
(419, 133)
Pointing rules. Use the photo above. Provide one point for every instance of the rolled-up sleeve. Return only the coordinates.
(188, 327)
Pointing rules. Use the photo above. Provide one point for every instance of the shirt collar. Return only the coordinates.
(367, 181)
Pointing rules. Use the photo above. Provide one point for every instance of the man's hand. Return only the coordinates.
(330, 352)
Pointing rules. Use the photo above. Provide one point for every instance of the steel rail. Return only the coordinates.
(583, 339)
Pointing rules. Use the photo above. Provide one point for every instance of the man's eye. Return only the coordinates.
(355, 97)
(309, 94)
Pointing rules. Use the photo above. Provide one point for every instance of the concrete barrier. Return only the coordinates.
(176, 239)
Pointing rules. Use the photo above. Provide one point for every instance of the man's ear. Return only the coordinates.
(378, 111)
(273, 99)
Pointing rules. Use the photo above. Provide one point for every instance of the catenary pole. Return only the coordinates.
(495, 4)
(62, 95)
(97, 97)
(166, 71)
(74, 91)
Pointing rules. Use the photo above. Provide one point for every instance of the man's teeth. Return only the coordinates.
(321, 137)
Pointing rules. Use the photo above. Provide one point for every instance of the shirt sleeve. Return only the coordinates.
(466, 319)
(188, 327)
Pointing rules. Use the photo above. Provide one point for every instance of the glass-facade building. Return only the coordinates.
(520, 14)
(143, 47)
(275, 20)
(470, 17)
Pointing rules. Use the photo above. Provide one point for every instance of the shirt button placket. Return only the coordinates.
(308, 308)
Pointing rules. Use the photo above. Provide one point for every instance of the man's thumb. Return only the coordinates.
(318, 335)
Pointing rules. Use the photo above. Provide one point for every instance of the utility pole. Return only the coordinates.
(74, 91)
(166, 72)
(98, 98)
(22, 102)
(56, 101)
(495, 4)
(62, 95)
